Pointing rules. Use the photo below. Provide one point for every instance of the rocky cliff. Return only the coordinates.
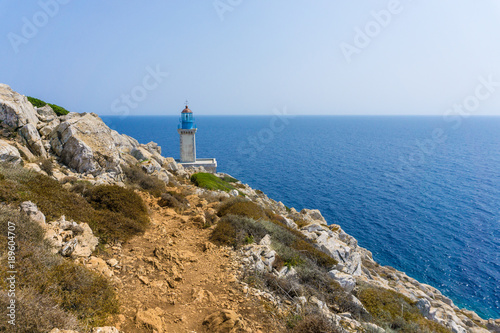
(173, 278)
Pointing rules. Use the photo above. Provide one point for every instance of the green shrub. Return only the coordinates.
(211, 182)
(249, 239)
(60, 111)
(229, 179)
(38, 103)
(152, 184)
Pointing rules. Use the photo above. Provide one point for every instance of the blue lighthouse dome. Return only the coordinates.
(187, 119)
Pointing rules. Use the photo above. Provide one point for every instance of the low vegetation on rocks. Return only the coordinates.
(174, 200)
(113, 213)
(394, 311)
(212, 182)
(59, 110)
(50, 290)
(136, 177)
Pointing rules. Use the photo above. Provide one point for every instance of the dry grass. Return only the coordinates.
(51, 291)
(395, 311)
(137, 177)
(113, 213)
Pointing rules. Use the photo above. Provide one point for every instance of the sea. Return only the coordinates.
(421, 193)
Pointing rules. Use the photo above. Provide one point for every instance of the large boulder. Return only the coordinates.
(15, 109)
(33, 140)
(33, 212)
(8, 153)
(46, 114)
(47, 128)
(150, 151)
(346, 281)
(86, 144)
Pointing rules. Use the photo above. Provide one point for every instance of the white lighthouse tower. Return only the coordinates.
(187, 131)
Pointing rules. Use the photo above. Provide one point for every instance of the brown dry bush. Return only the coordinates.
(118, 200)
(315, 323)
(136, 176)
(224, 233)
(113, 213)
(50, 286)
(47, 166)
(173, 200)
(242, 207)
(36, 313)
(395, 311)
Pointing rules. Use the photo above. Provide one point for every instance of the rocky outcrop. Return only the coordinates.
(71, 239)
(9, 154)
(150, 319)
(336, 244)
(33, 140)
(46, 114)
(260, 256)
(46, 129)
(225, 321)
(15, 109)
(33, 213)
(86, 144)
(68, 238)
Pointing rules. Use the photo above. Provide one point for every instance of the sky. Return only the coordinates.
(240, 57)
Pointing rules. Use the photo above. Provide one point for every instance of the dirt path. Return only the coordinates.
(172, 278)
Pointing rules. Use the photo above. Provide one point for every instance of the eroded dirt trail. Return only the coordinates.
(172, 279)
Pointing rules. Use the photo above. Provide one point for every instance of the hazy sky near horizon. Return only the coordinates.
(251, 57)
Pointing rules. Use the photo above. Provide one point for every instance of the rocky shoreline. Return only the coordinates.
(82, 147)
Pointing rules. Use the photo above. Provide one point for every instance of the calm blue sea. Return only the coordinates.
(421, 193)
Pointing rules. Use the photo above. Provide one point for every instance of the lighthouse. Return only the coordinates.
(187, 132)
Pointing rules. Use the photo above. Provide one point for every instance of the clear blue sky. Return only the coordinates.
(87, 55)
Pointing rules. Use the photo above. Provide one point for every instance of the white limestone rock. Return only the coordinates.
(46, 130)
(348, 258)
(346, 281)
(106, 329)
(9, 153)
(151, 166)
(26, 154)
(86, 144)
(15, 109)
(33, 140)
(33, 212)
(46, 114)
(313, 216)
